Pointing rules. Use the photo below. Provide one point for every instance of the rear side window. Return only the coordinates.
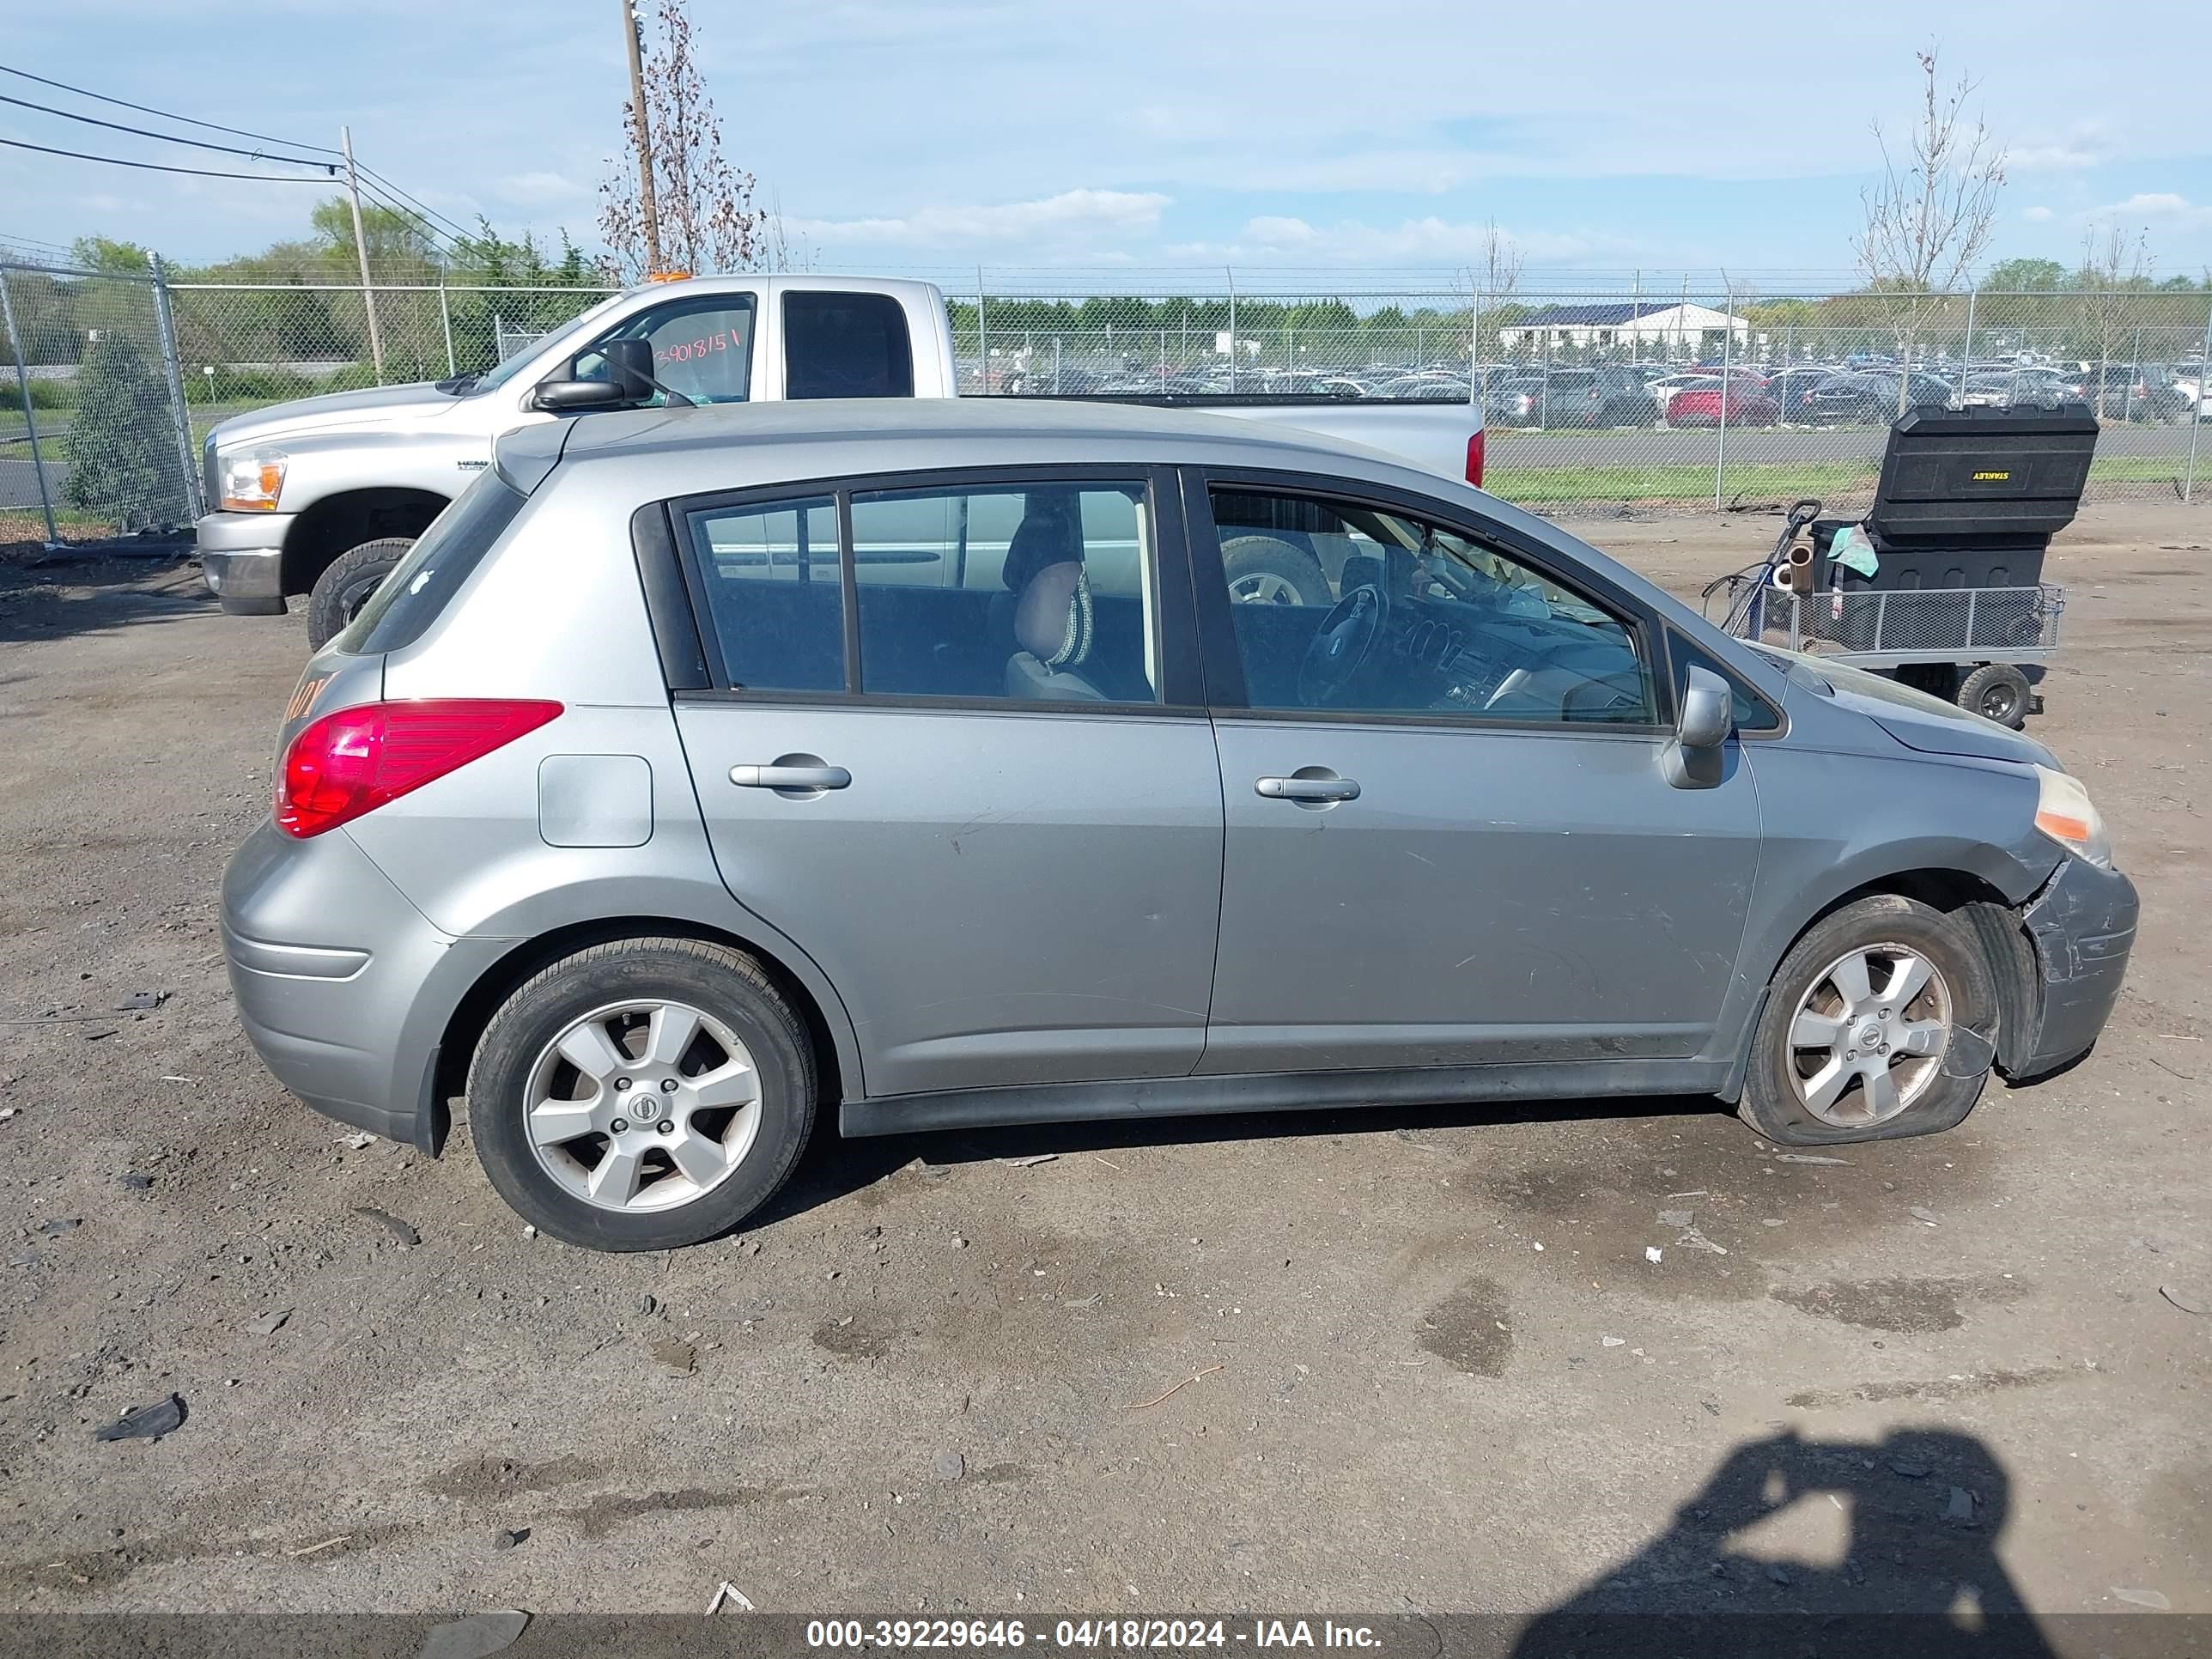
(776, 592)
(410, 597)
(846, 345)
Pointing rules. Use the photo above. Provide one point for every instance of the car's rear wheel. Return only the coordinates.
(1878, 1023)
(643, 1094)
(340, 591)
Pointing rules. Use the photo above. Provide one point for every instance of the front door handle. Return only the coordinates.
(781, 775)
(1331, 788)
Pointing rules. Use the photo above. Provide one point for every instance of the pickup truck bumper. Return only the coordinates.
(242, 558)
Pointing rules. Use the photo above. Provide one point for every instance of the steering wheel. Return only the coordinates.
(1346, 640)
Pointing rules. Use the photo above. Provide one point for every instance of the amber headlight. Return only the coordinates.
(252, 480)
(2064, 813)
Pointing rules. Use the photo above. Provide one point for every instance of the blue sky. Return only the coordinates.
(933, 135)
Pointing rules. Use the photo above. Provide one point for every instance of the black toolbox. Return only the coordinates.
(1967, 498)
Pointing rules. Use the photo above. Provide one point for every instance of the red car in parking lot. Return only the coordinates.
(1741, 404)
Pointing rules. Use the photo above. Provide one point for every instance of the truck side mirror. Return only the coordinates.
(627, 381)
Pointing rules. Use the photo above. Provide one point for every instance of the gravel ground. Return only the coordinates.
(1359, 1361)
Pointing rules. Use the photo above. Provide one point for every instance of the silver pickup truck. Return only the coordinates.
(322, 496)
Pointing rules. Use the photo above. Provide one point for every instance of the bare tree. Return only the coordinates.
(2113, 263)
(1503, 259)
(1929, 217)
(707, 219)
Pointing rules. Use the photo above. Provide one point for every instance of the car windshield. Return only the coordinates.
(500, 373)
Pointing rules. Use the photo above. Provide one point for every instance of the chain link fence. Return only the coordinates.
(1596, 402)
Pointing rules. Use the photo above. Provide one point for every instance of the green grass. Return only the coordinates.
(1692, 482)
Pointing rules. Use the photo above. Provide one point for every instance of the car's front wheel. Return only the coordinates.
(643, 1094)
(1880, 1022)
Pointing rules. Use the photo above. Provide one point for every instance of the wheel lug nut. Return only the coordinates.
(668, 1085)
(666, 1126)
(1851, 1054)
(619, 1125)
(622, 1082)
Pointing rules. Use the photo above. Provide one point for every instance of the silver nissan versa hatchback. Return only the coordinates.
(703, 769)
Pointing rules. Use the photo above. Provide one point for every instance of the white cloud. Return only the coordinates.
(2159, 204)
(1072, 218)
(1277, 238)
(2037, 215)
(541, 188)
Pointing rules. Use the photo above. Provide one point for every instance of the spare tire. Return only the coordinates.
(340, 591)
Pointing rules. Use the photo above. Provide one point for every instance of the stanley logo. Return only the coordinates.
(1992, 478)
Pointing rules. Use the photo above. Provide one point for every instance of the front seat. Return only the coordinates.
(1054, 628)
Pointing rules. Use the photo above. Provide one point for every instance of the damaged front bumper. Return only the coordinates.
(2083, 925)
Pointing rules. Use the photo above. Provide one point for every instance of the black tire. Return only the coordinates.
(1996, 691)
(340, 591)
(1255, 558)
(1769, 1103)
(724, 983)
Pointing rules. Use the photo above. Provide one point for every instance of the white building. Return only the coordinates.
(1683, 329)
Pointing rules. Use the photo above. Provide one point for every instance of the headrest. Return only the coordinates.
(1040, 538)
(1052, 622)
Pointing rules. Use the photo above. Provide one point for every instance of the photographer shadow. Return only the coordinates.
(1918, 1574)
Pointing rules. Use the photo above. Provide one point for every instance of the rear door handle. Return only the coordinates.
(790, 777)
(1308, 788)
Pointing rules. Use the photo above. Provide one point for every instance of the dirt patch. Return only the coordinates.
(1469, 1330)
(1962, 1388)
(483, 1477)
(1910, 1306)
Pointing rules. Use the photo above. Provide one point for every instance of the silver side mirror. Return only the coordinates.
(1692, 759)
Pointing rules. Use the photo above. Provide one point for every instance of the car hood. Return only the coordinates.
(1917, 721)
(377, 406)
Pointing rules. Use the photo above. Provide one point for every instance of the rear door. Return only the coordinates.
(1011, 873)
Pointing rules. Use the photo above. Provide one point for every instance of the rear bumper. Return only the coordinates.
(242, 558)
(343, 987)
(2082, 926)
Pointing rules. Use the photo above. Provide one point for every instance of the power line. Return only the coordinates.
(147, 109)
(166, 138)
(369, 172)
(158, 167)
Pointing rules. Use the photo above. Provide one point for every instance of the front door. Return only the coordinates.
(945, 763)
(1449, 840)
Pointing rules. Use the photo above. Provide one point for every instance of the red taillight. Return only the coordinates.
(1474, 460)
(354, 760)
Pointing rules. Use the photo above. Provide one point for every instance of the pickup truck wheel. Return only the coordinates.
(643, 1094)
(1264, 571)
(340, 591)
(1880, 1022)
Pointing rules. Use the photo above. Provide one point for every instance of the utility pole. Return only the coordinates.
(644, 132)
(361, 252)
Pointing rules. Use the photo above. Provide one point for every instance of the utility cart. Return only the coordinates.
(1940, 586)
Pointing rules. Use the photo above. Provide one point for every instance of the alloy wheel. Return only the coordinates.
(642, 1105)
(1868, 1035)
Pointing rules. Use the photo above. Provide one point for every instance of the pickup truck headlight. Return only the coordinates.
(252, 480)
(2064, 813)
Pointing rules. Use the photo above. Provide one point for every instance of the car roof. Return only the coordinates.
(744, 445)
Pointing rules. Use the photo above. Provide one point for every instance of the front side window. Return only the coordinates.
(701, 347)
(1377, 612)
(1032, 592)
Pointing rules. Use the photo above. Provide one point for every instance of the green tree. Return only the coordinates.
(2025, 276)
(121, 450)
